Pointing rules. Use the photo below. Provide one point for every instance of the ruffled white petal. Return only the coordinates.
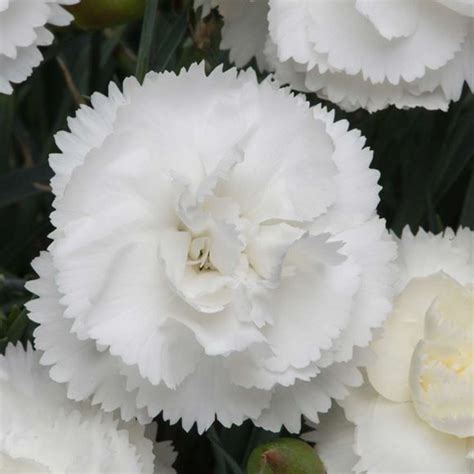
(415, 412)
(428, 266)
(377, 58)
(232, 274)
(392, 18)
(41, 431)
(88, 371)
(382, 449)
(311, 398)
(364, 438)
(22, 27)
(425, 254)
(165, 456)
(335, 439)
(245, 30)
(389, 374)
(364, 53)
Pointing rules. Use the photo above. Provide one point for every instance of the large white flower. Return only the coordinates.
(217, 253)
(415, 412)
(22, 32)
(358, 53)
(41, 431)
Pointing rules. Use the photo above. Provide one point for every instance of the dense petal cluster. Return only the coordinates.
(41, 431)
(217, 253)
(415, 412)
(357, 53)
(22, 31)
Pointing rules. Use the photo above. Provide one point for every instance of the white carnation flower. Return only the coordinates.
(358, 53)
(41, 431)
(22, 32)
(415, 412)
(217, 253)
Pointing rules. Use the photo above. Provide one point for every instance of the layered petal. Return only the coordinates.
(245, 30)
(216, 266)
(22, 31)
(364, 53)
(442, 364)
(335, 441)
(421, 380)
(42, 431)
(380, 447)
(428, 266)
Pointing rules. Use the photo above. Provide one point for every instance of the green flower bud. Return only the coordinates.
(284, 456)
(97, 14)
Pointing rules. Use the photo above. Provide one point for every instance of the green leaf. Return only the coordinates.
(170, 32)
(284, 456)
(7, 113)
(18, 326)
(458, 156)
(146, 39)
(221, 454)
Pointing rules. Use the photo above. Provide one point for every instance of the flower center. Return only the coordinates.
(442, 365)
(199, 254)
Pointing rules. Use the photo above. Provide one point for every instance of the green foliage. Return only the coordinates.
(14, 327)
(426, 161)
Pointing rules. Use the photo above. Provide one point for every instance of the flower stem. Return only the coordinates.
(146, 40)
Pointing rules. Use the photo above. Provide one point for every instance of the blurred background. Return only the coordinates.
(426, 161)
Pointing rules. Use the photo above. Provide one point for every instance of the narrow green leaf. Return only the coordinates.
(17, 327)
(146, 40)
(110, 43)
(170, 33)
(216, 444)
(7, 113)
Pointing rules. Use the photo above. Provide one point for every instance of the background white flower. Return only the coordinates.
(22, 30)
(217, 253)
(41, 431)
(415, 413)
(358, 53)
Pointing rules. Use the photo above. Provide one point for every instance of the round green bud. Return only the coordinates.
(284, 456)
(98, 14)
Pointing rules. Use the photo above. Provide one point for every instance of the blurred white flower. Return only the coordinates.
(415, 413)
(358, 53)
(22, 31)
(41, 431)
(217, 253)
